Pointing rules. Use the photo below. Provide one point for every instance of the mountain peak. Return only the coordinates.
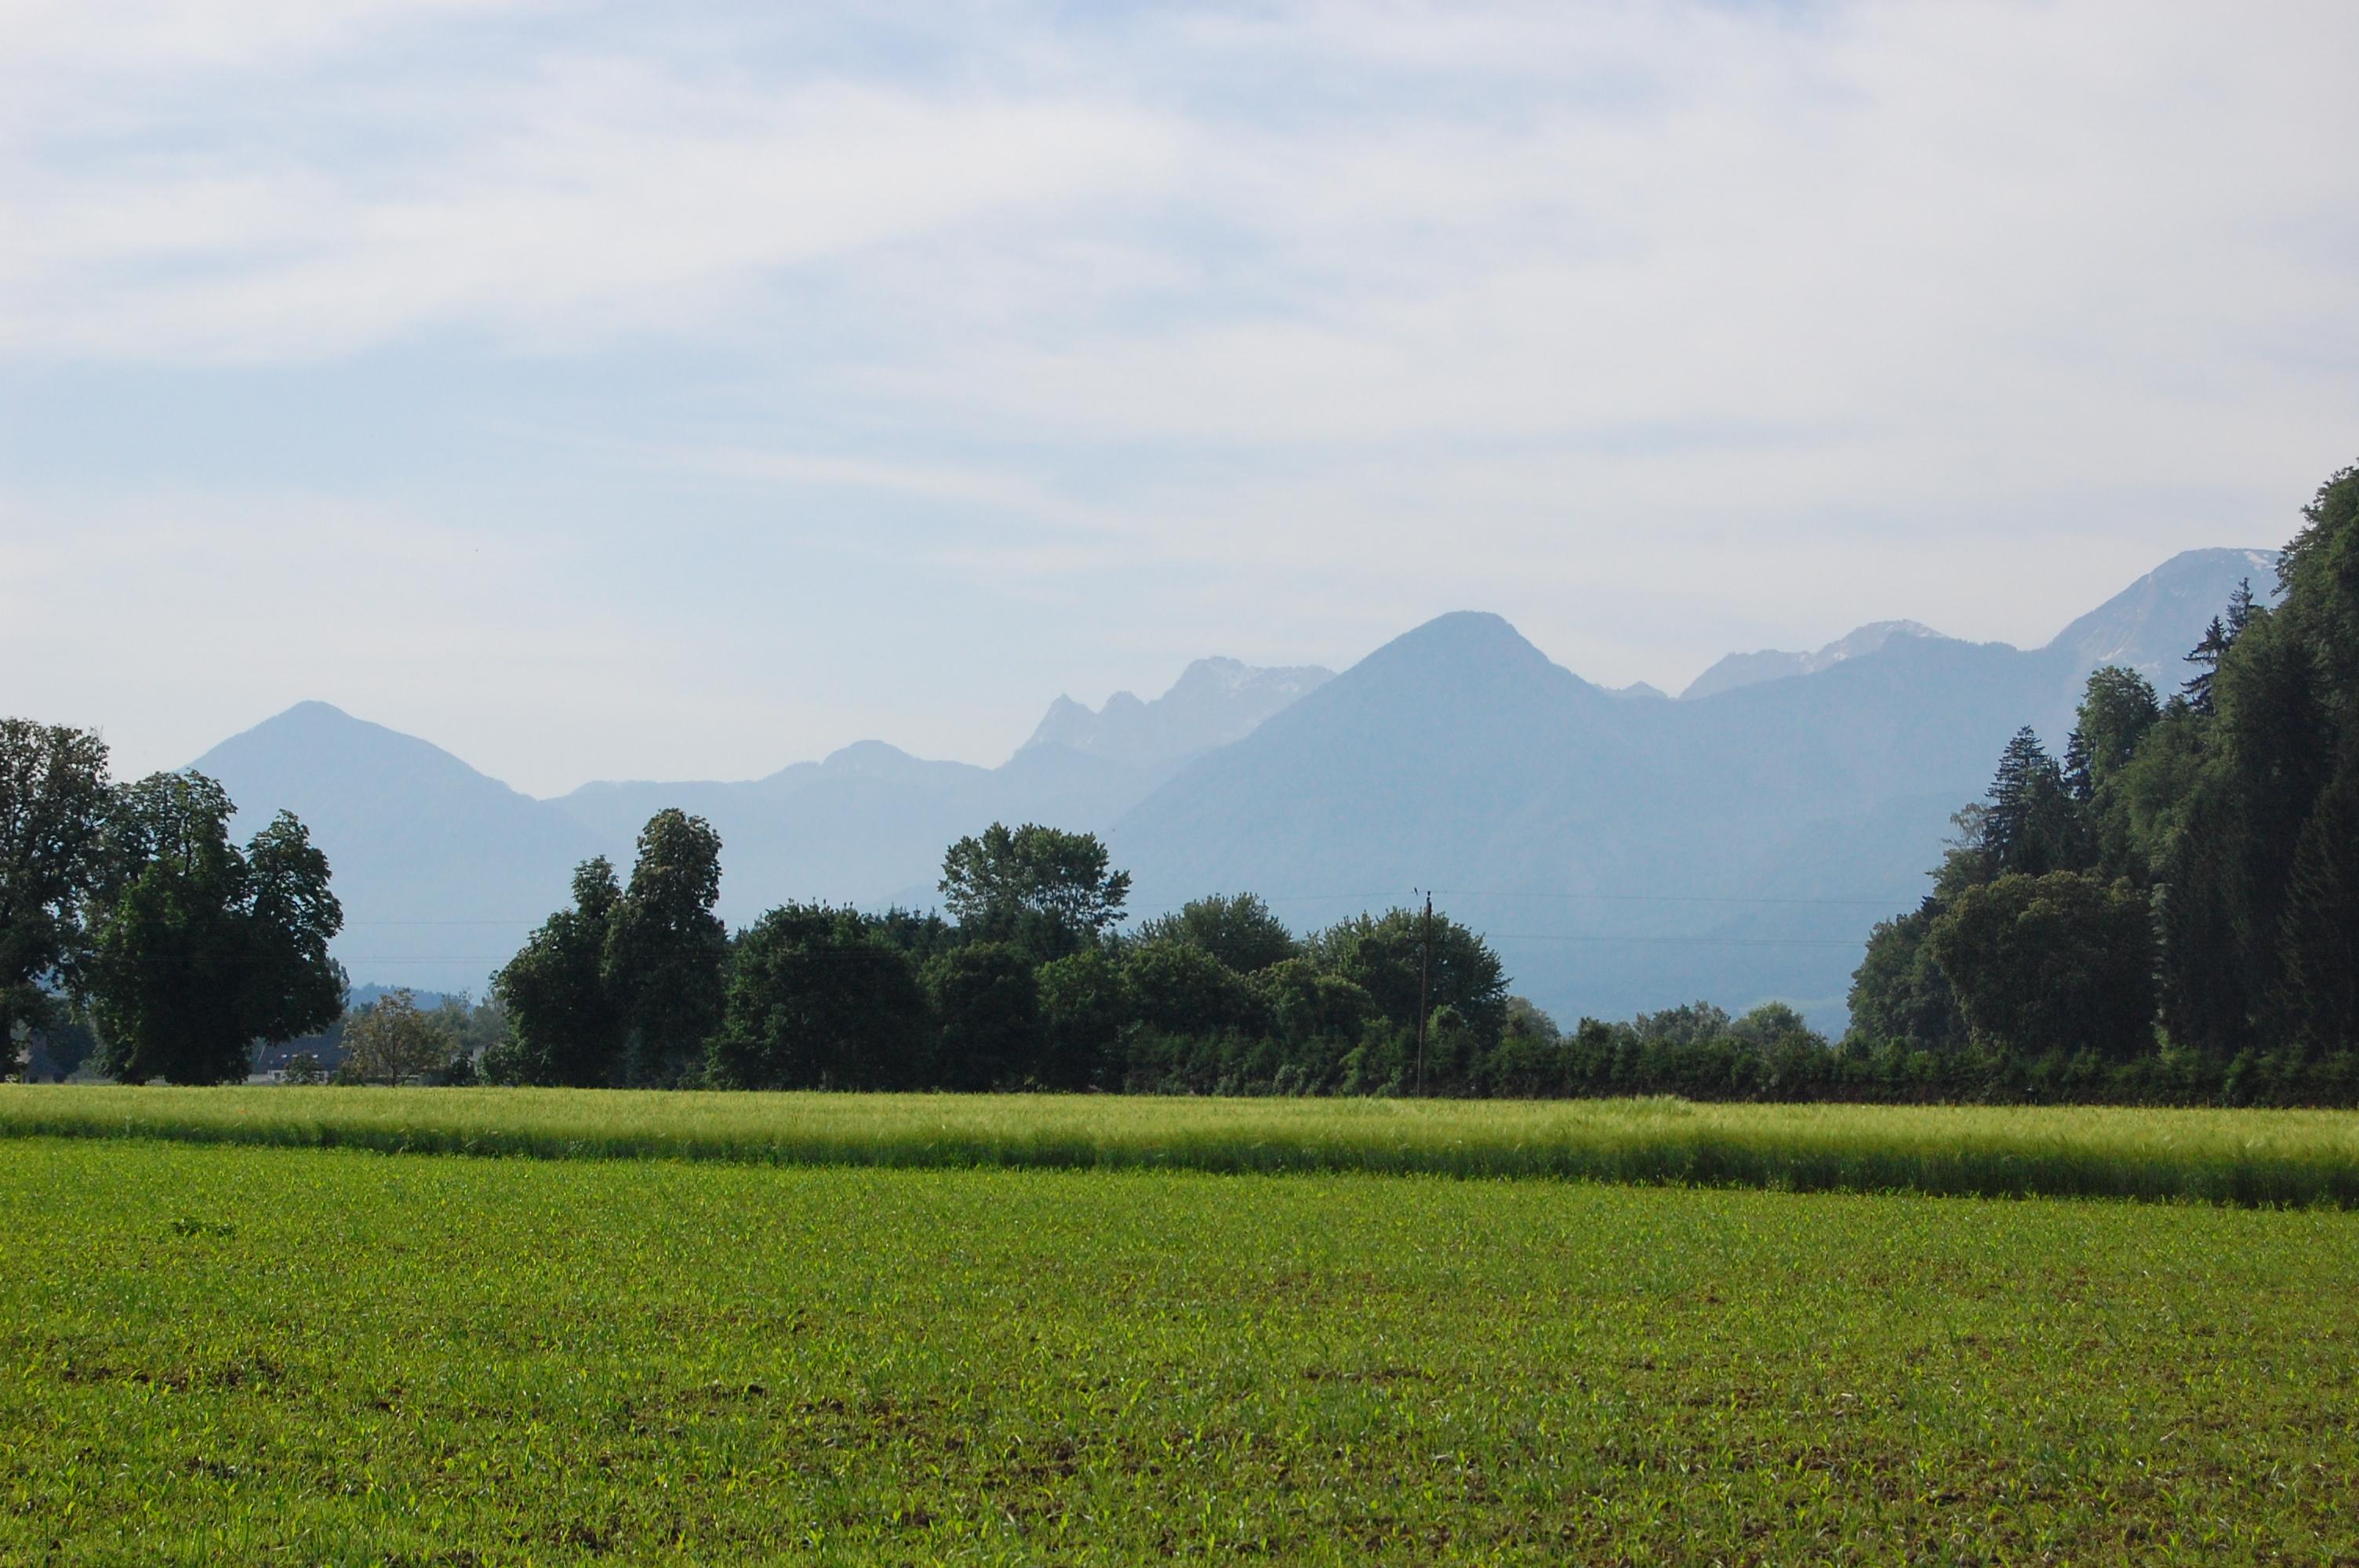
(2150, 625)
(1467, 628)
(313, 716)
(880, 760)
(441, 869)
(313, 730)
(1463, 640)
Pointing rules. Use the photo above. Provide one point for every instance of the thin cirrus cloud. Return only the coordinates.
(608, 198)
(1104, 339)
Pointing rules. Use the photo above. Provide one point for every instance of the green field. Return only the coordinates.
(2234, 1156)
(255, 1354)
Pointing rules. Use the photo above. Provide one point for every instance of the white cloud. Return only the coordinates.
(602, 197)
(1274, 326)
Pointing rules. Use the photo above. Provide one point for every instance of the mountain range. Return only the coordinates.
(1624, 850)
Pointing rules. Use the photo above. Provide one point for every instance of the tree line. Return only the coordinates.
(2169, 911)
(1025, 980)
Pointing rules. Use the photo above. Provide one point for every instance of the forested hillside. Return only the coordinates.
(2172, 906)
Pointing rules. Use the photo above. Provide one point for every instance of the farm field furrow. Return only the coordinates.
(2233, 1156)
(221, 1354)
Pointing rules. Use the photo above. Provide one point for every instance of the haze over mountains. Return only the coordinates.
(1214, 702)
(1623, 854)
(1734, 670)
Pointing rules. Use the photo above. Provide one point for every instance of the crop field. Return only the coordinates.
(2275, 1157)
(260, 1355)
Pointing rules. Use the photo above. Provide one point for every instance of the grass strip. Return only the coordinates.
(2253, 1158)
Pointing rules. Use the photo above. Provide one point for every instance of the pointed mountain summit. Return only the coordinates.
(1437, 748)
(1214, 702)
(347, 777)
(441, 870)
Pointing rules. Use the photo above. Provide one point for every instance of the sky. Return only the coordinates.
(684, 391)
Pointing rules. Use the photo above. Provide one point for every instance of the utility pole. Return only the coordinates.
(1424, 985)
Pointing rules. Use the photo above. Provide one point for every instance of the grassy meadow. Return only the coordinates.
(2233, 1156)
(254, 1355)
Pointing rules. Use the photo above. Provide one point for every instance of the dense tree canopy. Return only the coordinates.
(203, 950)
(987, 995)
(1045, 889)
(2059, 961)
(818, 997)
(1236, 928)
(1384, 956)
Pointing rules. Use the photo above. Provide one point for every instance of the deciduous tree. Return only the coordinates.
(1382, 955)
(201, 950)
(1236, 928)
(667, 951)
(565, 1023)
(1046, 889)
(816, 999)
(2060, 962)
(54, 800)
(391, 1042)
(988, 1002)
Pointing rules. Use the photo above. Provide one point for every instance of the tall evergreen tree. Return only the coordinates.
(2240, 608)
(2319, 573)
(2033, 825)
(2205, 656)
(2274, 755)
(2205, 1003)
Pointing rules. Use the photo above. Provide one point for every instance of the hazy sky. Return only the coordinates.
(684, 390)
